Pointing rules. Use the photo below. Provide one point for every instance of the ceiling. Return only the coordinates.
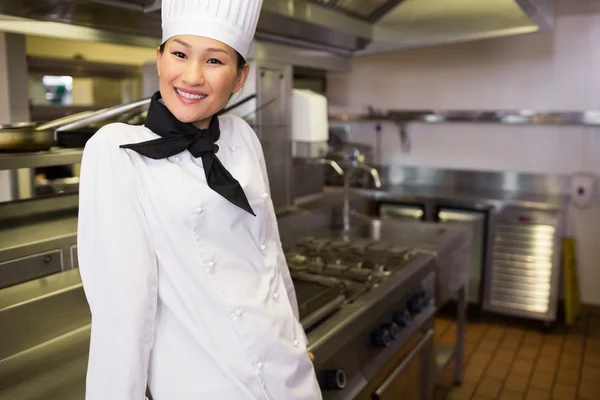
(345, 27)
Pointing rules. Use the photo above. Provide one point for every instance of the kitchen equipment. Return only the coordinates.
(76, 133)
(476, 222)
(30, 136)
(57, 186)
(71, 131)
(343, 154)
(77, 138)
(525, 273)
(401, 211)
(372, 336)
(450, 244)
(309, 116)
(25, 137)
(238, 103)
(408, 371)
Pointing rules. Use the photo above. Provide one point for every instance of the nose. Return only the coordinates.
(193, 74)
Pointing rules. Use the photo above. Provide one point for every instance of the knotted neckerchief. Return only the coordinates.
(177, 136)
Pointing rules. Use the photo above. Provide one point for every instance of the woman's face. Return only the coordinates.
(196, 77)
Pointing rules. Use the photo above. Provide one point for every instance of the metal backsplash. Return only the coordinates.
(505, 181)
(504, 117)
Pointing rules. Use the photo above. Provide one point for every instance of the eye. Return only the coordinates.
(178, 54)
(214, 61)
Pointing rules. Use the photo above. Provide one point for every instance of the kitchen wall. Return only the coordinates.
(557, 70)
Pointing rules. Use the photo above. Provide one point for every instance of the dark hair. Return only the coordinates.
(241, 61)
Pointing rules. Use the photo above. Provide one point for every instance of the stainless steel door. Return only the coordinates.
(525, 271)
(410, 379)
(475, 221)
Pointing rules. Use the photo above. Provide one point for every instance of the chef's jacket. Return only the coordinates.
(188, 293)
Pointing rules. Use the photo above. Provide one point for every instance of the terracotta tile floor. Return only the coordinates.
(518, 361)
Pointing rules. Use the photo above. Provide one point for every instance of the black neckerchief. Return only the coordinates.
(177, 136)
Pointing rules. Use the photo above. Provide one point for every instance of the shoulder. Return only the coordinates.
(117, 134)
(103, 148)
(236, 127)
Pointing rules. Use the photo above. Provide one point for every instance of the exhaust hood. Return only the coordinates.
(344, 27)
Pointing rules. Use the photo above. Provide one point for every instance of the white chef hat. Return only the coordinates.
(232, 22)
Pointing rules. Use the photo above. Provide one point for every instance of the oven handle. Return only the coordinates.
(409, 358)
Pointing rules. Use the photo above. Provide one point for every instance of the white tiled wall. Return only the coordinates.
(557, 70)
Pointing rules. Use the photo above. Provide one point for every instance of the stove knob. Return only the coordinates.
(402, 318)
(393, 328)
(381, 337)
(415, 304)
(335, 379)
(423, 299)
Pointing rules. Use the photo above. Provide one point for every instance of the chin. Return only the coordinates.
(188, 114)
(188, 117)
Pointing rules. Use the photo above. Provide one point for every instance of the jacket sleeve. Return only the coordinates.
(118, 269)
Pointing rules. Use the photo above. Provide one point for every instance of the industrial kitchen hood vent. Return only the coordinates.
(346, 27)
(367, 10)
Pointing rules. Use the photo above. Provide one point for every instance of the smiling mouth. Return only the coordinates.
(190, 96)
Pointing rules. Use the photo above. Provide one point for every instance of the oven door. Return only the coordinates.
(411, 379)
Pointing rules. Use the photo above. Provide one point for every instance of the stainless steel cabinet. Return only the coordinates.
(476, 222)
(525, 271)
(20, 270)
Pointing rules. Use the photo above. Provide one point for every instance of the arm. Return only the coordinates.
(119, 272)
(281, 261)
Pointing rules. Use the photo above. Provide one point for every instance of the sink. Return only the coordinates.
(406, 233)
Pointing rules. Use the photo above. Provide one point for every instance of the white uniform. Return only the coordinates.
(187, 291)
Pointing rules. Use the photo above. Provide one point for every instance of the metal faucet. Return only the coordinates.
(332, 163)
(349, 172)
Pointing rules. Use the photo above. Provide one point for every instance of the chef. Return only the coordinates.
(180, 254)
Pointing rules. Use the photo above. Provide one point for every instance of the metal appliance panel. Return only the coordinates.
(74, 257)
(360, 361)
(525, 271)
(273, 87)
(398, 211)
(415, 362)
(40, 311)
(475, 221)
(13, 272)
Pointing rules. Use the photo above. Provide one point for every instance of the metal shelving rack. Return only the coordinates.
(52, 157)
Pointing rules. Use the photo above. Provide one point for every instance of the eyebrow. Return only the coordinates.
(216, 50)
(210, 49)
(181, 42)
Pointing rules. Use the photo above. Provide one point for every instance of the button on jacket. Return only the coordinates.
(188, 292)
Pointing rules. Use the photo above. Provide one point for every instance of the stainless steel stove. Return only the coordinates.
(367, 307)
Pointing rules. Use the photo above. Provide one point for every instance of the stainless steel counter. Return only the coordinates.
(34, 231)
(60, 370)
(44, 331)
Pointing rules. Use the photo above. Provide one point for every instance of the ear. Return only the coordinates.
(241, 78)
(158, 58)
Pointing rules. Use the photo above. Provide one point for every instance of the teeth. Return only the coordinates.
(190, 96)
